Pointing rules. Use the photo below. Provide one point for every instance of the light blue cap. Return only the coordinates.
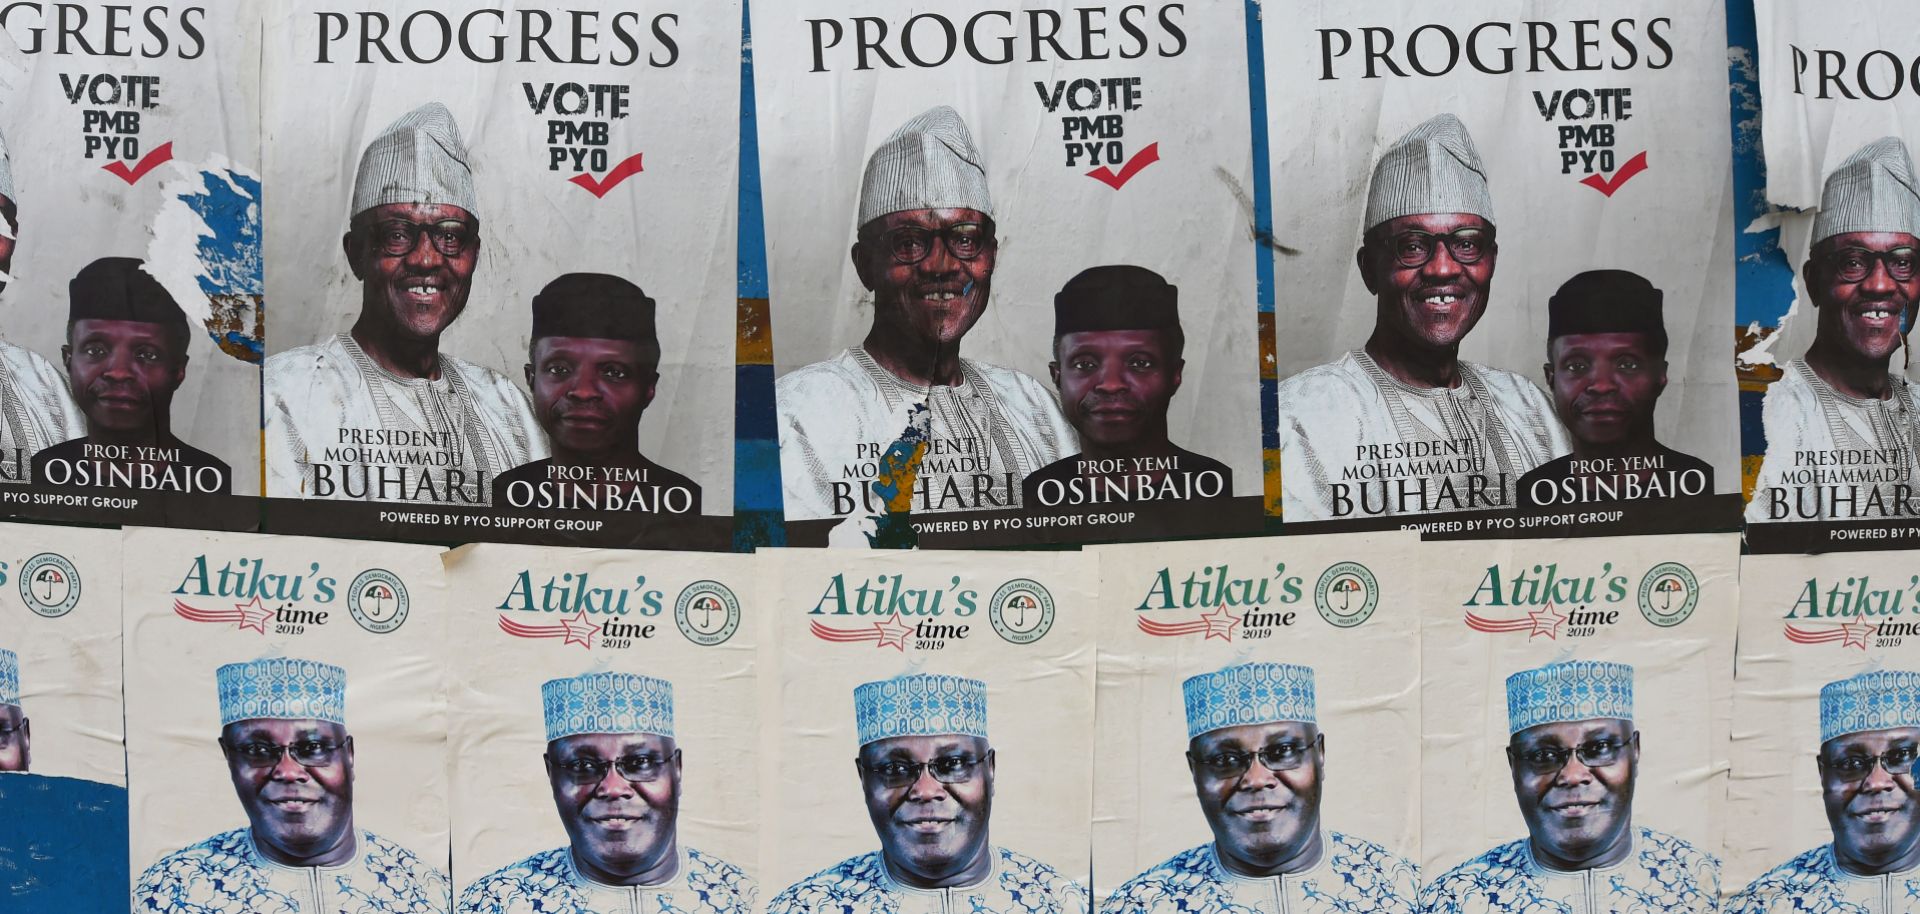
(282, 688)
(1878, 700)
(1248, 693)
(9, 678)
(1569, 691)
(920, 704)
(608, 703)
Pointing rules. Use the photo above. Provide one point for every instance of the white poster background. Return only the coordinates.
(69, 661)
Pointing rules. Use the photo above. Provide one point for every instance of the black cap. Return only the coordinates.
(594, 305)
(1117, 297)
(1606, 301)
(117, 289)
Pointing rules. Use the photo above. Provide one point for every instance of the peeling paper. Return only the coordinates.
(206, 251)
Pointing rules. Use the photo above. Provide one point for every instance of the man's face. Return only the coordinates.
(1577, 810)
(417, 294)
(1260, 817)
(589, 393)
(15, 753)
(930, 829)
(123, 373)
(1605, 385)
(619, 826)
(299, 810)
(1436, 303)
(1875, 819)
(1862, 316)
(1115, 385)
(937, 299)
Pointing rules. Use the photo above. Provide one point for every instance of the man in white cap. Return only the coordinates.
(926, 770)
(1840, 427)
(1869, 738)
(925, 249)
(16, 750)
(284, 735)
(1257, 757)
(615, 772)
(1574, 754)
(379, 413)
(36, 411)
(1402, 425)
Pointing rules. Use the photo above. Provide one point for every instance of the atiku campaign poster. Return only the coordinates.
(287, 712)
(1833, 437)
(604, 718)
(1581, 692)
(512, 237)
(63, 775)
(901, 681)
(1820, 815)
(1258, 725)
(130, 263)
(1504, 269)
(1012, 270)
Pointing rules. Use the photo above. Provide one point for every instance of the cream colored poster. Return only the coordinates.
(933, 751)
(603, 712)
(287, 709)
(1258, 730)
(1576, 699)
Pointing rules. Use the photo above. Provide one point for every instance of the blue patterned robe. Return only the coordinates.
(1354, 876)
(1018, 884)
(1660, 873)
(1814, 883)
(225, 874)
(549, 883)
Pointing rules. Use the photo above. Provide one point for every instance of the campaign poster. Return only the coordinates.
(1833, 437)
(130, 263)
(1258, 725)
(511, 235)
(604, 709)
(1098, 383)
(1820, 812)
(287, 724)
(899, 682)
(63, 774)
(1555, 674)
(1505, 272)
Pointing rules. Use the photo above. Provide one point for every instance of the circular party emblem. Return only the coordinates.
(50, 585)
(378, 601)
(1668, 594)
(1021, 611)
(707, 613)
(1346, 595)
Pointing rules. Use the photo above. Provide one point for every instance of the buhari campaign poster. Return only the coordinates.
(1829, 303)
(130, 263)
(934, 745)
(63, 775)
(511, 231)
(1504, 267)
(605, 722)
(1576, 696)
(1820, 812)
(271, 683)
(1011, 270)
(1259, 717)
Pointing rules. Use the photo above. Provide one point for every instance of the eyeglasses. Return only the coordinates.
(306, 753)
(1414, 249)
(1232, 763)
(1598, 753)
(638, 769)
(912, 244)
(1857, 767)
(1856, 264)
(398, 238)
(6, 735)
(947, 769)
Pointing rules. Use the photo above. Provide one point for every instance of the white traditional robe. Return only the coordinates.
(1661, 873)
(226, 874)
(1352, 876)
(550, 883)
(36, 411)
(1814, 883)
(1803, 413)
(1017, 884)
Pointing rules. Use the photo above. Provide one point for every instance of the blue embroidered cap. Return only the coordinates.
(282, 688)
(1248, 693)
(1878, 700)
(1568, 691)
(920, 704)
(608, 703)
(9, 678)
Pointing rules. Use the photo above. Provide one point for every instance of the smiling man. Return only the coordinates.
(1403, 425)
(284, 736)
(615, 771)
(16, 737)
(379, 413)
(926, 770)
(1574, 754)
(35, 408)
(1258, 759)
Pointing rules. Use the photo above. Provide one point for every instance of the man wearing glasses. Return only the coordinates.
(35, 409)
(1840, 427)
(615, 772)
(1574, 754)
(1403, 425)
(16, 749)
(1257, 756)
(1869, 737)
(379, 413)
(925, 248)
(927, 772)
(284, 735)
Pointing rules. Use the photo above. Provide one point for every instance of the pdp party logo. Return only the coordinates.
(1346, 595)
(1021, 611)
(1668, 594)
(377, 600)
(50, 585)
(707, 613)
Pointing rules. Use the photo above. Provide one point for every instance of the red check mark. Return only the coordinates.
(1607, 186)
(161, 155)
(1105, 173)
(627, 168)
